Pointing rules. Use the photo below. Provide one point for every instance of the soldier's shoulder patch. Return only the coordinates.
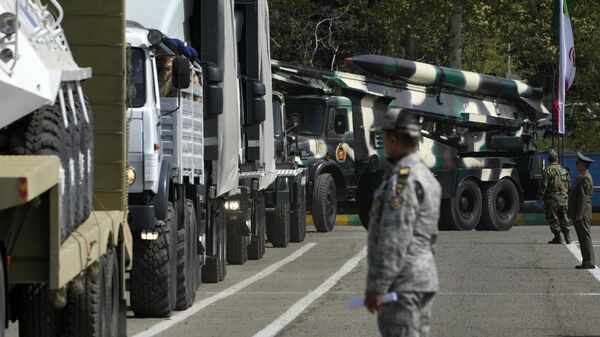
(396, 202)
(404, 171)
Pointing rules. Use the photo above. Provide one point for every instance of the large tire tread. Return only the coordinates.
(324, 186)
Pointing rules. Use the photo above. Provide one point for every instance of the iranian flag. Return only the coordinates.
(566, 63)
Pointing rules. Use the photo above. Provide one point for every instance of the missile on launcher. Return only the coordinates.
(433, 75)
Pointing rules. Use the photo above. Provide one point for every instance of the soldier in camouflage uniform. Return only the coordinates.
(402, 233)
(554, 191)
(580, 210)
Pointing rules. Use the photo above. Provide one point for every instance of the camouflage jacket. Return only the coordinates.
(555, 184)
(580, 199)
(403, 229)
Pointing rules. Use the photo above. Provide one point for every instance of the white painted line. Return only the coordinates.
(577, 253)
(296, 309)
(515, 294)
(182, 315)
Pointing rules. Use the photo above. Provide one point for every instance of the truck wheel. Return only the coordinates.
(237, 244)
(84, 317)
(324, 205)
(109, 315)
(368, 184)
(3, 302)
(44, 133)
(256, 249)
(279, 223)
(187, 259)
(37, 316)
(298, 216)
(464, 210)
(85, 168)
(501, 206)
(154, 273)
(214, 268)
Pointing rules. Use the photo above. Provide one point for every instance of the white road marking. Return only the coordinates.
(515, 294)
(180, 316)
(577, 253)
(296, 309)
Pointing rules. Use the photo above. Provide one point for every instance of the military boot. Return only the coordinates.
(567, 238)
(556, 239)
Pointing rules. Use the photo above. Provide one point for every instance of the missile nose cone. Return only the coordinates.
(349, 60)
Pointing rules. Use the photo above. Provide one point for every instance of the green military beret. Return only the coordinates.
(583, 158)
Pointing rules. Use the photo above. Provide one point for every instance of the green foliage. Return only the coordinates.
(322, 33)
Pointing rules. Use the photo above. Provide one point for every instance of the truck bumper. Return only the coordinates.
(142, 218)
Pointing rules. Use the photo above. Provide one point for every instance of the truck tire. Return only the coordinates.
(44, 133)
(256, 249)
(111, 292)
(237, 244)
(3, 302)
(214, 269)
(83, 310)
(154, 273)
(187, 259)
(85, 158)
(37, 316)
(368, 184)
(500, 206)
(279, 223)
(298, 216)
(464, 210)
(324, 204)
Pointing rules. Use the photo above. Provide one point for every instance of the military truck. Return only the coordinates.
(478, 131)
(287, 194)
(65, 241)
(331, 139)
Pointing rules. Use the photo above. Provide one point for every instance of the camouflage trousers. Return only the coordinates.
(407, 317)
(556, 216)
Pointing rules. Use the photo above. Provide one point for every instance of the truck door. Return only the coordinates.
(340, 140)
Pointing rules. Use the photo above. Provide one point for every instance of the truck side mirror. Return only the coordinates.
(257, 109)
(181, 73)
(213, 94)
(340, 124)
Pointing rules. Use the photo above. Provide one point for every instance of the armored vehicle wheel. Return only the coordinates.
(256, 249)
(500, 206)
(237, 244)
(298, 216)
(187, 258)
(324, 203)
(37, 316)
(279, 222)
(214, 269)
(368, 184)
(464, 210)
(44, 133)
(154, 273)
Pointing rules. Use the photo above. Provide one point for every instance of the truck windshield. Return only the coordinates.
(136, 89)
(312, 117)
(277, 125)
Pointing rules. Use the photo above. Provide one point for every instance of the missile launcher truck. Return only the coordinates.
(479, 131)
(64, 238)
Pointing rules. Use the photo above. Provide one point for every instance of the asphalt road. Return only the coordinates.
(492, 284)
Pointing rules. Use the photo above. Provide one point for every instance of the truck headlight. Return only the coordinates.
(232, 205)
(130, 175)
(8, 23)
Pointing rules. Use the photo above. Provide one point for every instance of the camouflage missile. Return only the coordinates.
(433, 75)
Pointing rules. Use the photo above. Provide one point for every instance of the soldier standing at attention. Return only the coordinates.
(554, 191)
(580, 210)
(402, 232)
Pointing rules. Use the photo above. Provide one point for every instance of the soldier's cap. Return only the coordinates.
(401, 120)
(583, 158)
(552, 155)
